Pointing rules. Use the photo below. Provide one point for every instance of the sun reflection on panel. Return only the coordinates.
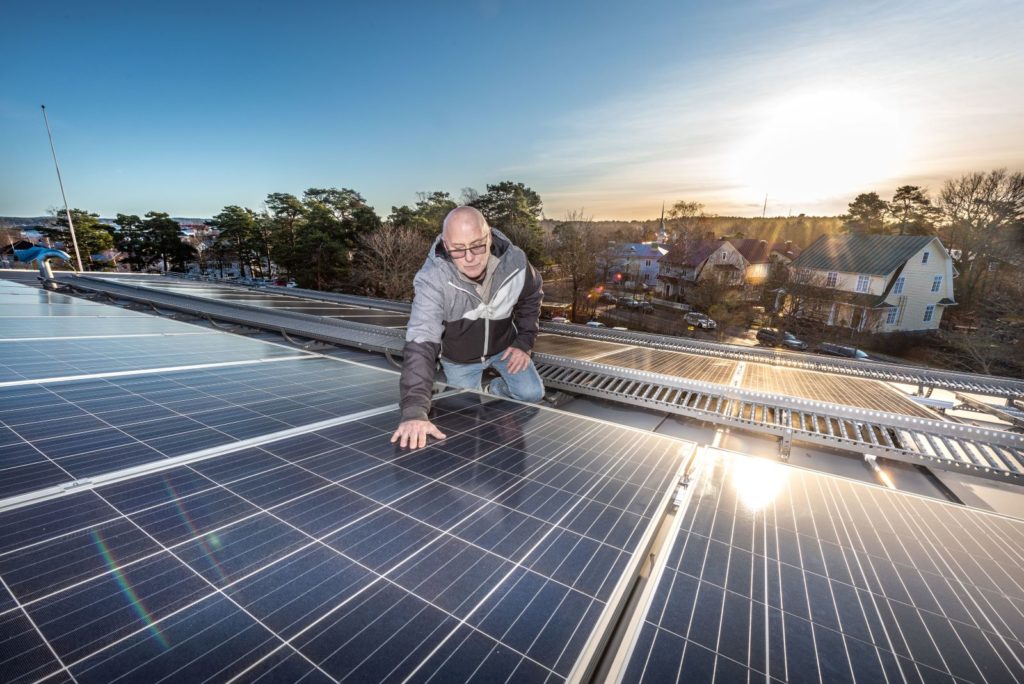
(757, 481)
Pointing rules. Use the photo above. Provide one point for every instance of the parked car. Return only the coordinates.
(559, 319)
(607, 298)
(833, 349)
(596, 324)
(771, 337)
(635, 304)
(699, 320)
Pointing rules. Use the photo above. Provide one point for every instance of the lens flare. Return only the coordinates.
(126, 588)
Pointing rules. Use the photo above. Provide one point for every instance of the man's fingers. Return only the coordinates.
(505, 354)
(437, 433)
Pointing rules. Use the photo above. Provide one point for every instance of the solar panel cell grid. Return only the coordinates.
(388, 568)
(64, 431)
(38, 360)
(831, 580)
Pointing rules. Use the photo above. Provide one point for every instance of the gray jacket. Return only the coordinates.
(450, 318)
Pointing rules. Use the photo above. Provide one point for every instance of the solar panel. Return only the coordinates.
(14, 328)
(271, 300)
(502, 552)
(43, 359)
(55, 433)
(786, 574)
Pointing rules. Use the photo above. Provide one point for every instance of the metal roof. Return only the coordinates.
(871, 254)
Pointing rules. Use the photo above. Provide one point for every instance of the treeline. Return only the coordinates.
(800, 229)
(327, 238)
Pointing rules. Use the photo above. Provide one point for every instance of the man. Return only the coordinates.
(477, 305)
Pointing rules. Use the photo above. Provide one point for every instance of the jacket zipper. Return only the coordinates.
(487, 320)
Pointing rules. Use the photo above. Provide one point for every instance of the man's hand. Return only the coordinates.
(413, 433)
(516, 359)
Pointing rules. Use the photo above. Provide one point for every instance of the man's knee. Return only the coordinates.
(532, 392)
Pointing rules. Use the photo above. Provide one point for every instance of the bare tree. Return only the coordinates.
(807, 300)
(984, 215)
(388, 259)
(574, 247)
(688, 221)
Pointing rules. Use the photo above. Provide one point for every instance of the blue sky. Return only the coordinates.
(610, 107)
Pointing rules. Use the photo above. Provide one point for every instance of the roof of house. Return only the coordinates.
(691, 253)
(871, 254)
(640, 250)
(754, 251)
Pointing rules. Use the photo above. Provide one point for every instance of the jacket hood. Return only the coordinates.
(499, 245)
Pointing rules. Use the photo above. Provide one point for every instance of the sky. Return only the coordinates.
(612, 108)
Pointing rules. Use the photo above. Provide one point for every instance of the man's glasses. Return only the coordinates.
(460, 253)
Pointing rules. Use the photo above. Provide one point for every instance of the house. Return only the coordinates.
(636, 263)
(874, 283)
(761, 257)
(693, 261)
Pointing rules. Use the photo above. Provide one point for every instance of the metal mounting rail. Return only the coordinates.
(349, 333)
(989, 385)
(987, 453)
(300, 293)
(338, 298)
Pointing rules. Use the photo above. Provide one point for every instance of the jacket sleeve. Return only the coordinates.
(422, 346)
(527, 310)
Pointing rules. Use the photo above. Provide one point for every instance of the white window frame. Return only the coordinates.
(897, 288)
(892, 316)
(936, 283)
(863, 283)
(929, 313)
(832, 279)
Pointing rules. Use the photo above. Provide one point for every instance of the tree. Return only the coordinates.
(286, 214)
(574, 247)
(130, 240)
(163, 242)
(866, 215)
(388, 259)
(93, 237)
(335, 221)
(427, 218)
(983, 228)
(912, 212)
(688, 221)
(239, 235)
(515, 210)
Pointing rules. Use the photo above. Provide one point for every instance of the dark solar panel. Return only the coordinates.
(492, 555)
(795, 576)
(55, 433)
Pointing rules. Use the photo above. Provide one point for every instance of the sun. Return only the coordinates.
(821, 145)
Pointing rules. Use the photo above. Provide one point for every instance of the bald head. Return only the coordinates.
(465, 231)
(464, 220)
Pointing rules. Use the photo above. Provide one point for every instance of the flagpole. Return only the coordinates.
(60, 181)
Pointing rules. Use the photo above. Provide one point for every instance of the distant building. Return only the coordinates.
(875, 283)
(637, 263)
(692, 261)
(760, 256)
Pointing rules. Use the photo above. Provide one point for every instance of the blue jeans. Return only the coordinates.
(525, 385)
